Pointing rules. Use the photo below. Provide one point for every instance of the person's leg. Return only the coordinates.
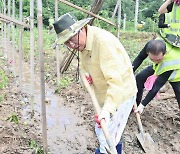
(176, 88)
(116, 125)
(140, 80)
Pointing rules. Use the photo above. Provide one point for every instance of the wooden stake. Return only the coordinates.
(57, 47)
(85, 11)
(42, 83)
(32, 53)
(20, 45)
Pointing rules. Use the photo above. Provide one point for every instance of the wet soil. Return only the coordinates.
(70, 114)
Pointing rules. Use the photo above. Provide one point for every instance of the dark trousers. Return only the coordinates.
(141, 79)
(176, 88)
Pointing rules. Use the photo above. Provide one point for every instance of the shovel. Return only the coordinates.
(112, 147)
(145, 139)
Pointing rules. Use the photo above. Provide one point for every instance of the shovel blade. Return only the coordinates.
(147, 143)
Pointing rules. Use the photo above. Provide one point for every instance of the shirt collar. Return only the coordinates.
(89, 39)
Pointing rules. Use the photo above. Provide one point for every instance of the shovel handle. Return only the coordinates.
(98, 110)
(139, 121)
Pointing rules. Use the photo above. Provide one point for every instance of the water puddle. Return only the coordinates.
(60, 119)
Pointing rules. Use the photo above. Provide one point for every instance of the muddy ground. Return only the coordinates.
(161, 118)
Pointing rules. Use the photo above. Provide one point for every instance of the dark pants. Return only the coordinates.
(176, 88)
(141, 79)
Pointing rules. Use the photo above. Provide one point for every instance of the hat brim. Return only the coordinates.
(68, 33)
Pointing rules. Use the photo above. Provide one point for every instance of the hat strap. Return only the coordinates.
(77, 72)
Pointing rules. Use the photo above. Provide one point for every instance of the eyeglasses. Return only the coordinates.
(72, 41)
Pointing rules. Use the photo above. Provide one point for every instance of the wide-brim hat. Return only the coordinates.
(67, 26)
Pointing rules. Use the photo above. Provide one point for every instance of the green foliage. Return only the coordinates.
(13, 118)
(134, 42)
(2, 97)
(128, 7)
(3, 79)
(37, 150)
(65, 81)
(152, 9)
(129, 26)
(50, 39)
(150, 26)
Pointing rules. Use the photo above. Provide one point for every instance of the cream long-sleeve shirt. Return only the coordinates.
(106, 60)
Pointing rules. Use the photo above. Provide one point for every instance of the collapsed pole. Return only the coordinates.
(85, 11)
(10, 19)
(96, 6)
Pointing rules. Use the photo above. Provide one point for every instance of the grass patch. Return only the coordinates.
(4, 80)
(13, 118)
(36, 149)
(2, 97)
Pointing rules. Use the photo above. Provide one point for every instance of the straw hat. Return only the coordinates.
(67, 26)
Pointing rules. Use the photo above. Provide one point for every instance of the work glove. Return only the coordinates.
(89, 78)
(140, 108)
(97, 121)
(103, 115)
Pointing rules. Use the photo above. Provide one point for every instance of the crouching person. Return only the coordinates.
(165, 68)
(109, 70)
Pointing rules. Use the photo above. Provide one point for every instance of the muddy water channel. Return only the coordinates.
(63, 132)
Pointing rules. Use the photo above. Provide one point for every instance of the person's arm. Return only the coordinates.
(163, 8)
(160, 81)
(140, 58)
(161, 22)
(114, 66)
(169, 7)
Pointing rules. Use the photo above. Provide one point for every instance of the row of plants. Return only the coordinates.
(13, 118)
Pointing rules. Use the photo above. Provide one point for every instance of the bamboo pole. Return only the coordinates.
(5, 45)
(8, 19)
(57, 47)
(124, 22)
(115, 9)
(20, 46)
(8, 37)
(13, 38)
(2, 25)
(42, 83)
(136, 15)
(119, 20)
(96, 6)
(32, 53)
(85, 11)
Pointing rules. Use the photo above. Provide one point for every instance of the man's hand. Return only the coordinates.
(140, 108)
(103, 115)
(97, 121)
(89, 78)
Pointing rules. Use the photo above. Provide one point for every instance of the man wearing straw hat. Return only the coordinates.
(108, 69)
